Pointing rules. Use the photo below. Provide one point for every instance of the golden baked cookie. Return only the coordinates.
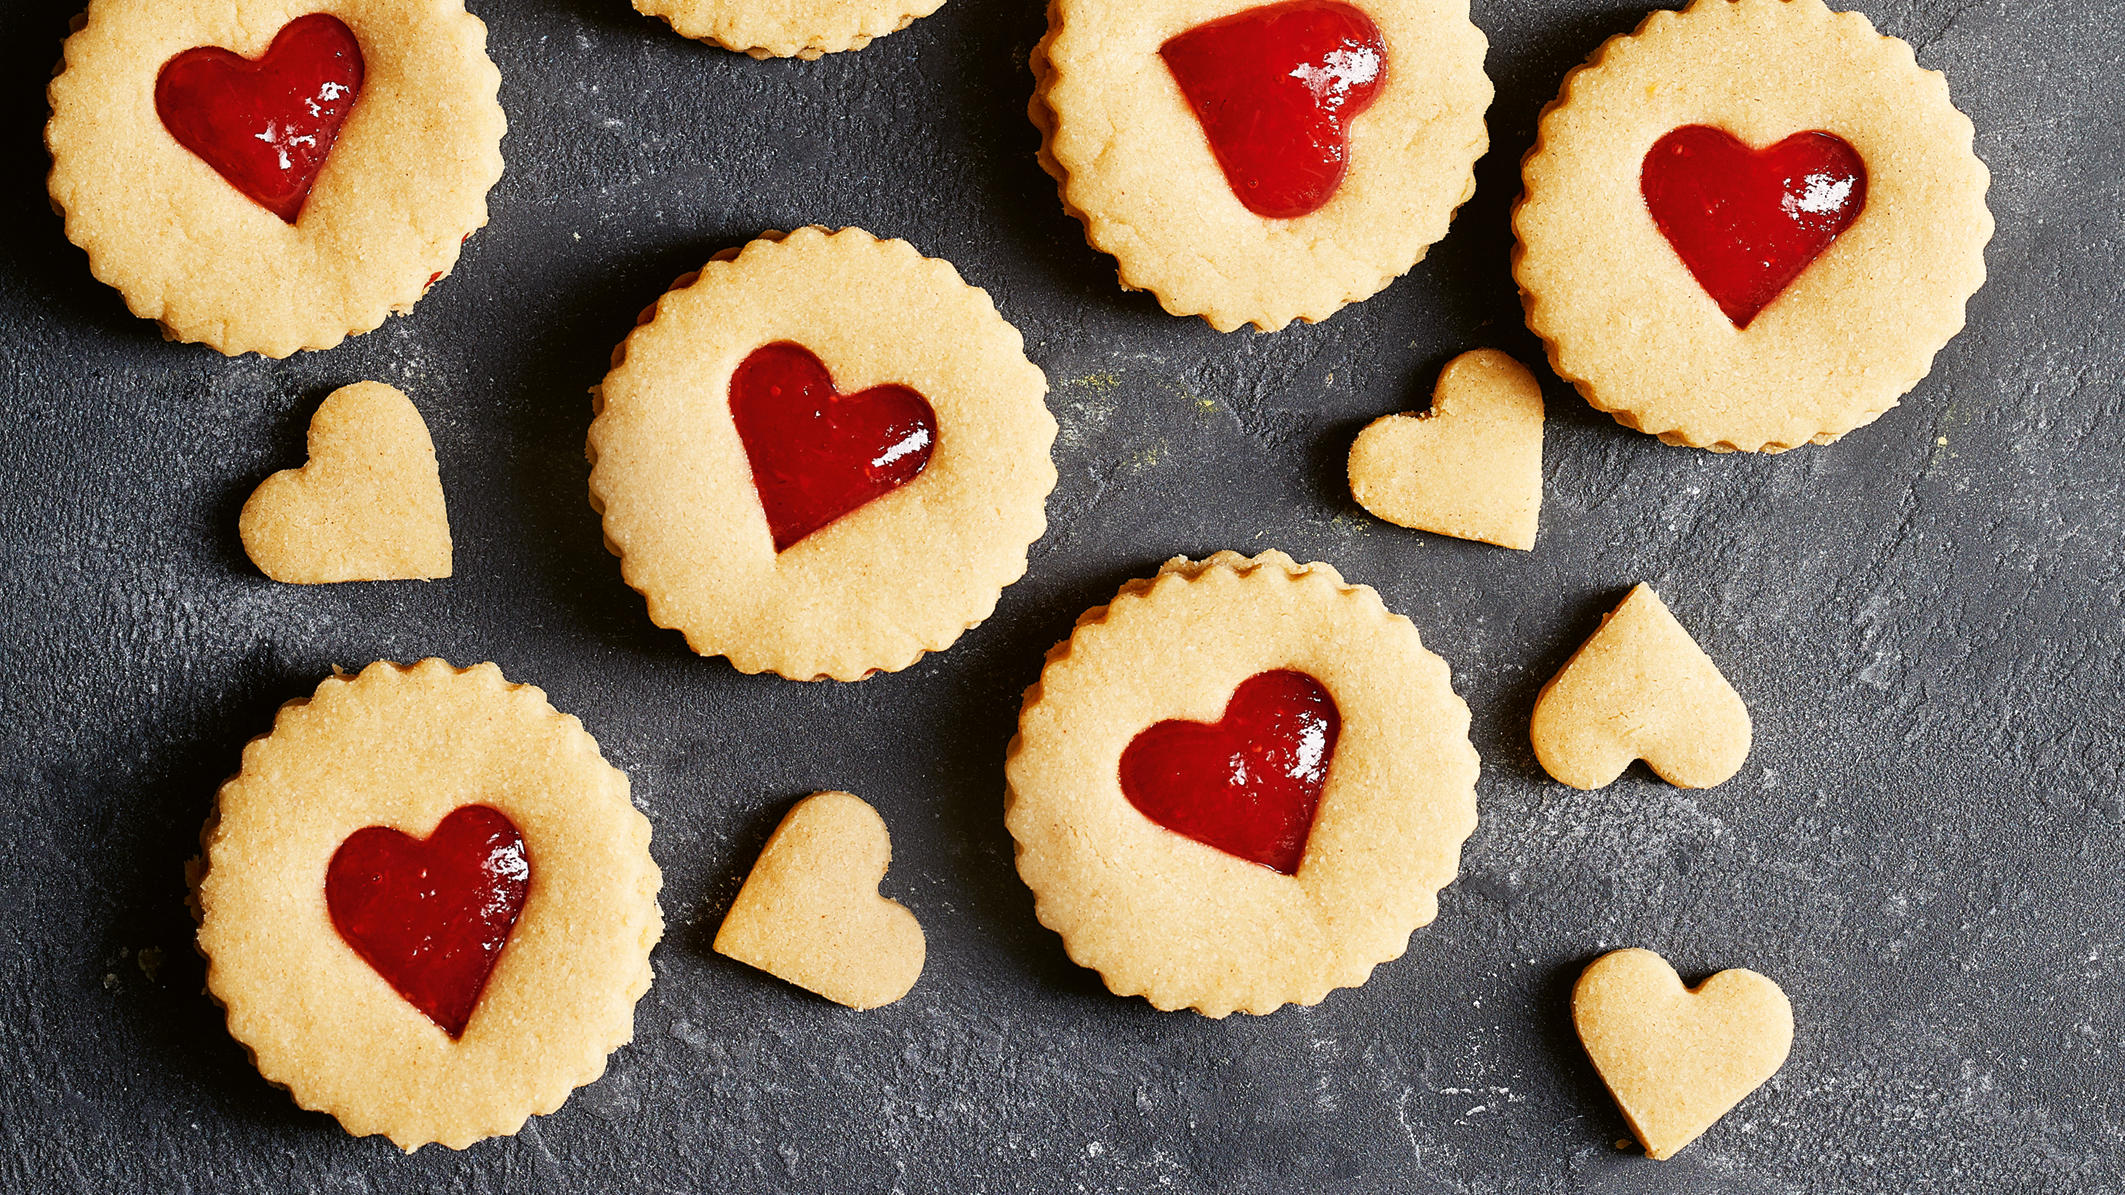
(1640, 688)
(788, 28)
(1471, 467)
(1239, 785)
(1750, 224)
(1677, 1059)
(1261, 163)
(810, 912)
(823, 456)
(273, 175)
(368, 506)
(427, 904)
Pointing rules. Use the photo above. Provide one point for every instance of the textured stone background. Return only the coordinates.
(1924, 618)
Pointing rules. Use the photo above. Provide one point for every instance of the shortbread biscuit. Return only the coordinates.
(1137, 166)
(1678, 1059)
(887, 476)
(427, 904)
(1803, 164)
(322, 245)
(367, 507)
(1239, 785)
(1471, 467)
(788, 28)
(1640, 688)
(810, 911)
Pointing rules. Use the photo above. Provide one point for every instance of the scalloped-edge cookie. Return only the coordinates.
(427, 904)
(1135, 165)
(1677, 1059)
(355, 220)
(1821, 224)
(1640, 688)
(810, 912)
(367, 506)
(1240, 784)
(1471, 467)
(823, 456)
(788, 28)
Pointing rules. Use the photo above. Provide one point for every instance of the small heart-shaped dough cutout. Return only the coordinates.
(810, 912)
(367, 507)
(1640, 688)
(1472, 467)
(1676, 1058)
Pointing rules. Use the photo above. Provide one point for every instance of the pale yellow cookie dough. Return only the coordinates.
(810, 911)
(905, 574)
(1471, 467)
(404, 185)
(1678, 1059)
(367, 507)
(1640, 688)
(1184, 924)
(788, 28)
(403, 747)
(1135, 168)
(1623, 317)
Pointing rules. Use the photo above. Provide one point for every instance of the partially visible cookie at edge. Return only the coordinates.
(788, 28)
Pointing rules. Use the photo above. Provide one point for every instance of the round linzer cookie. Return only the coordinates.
(274, 175)
(788, 28)
(1750, 224)
(427, 904)
(1240, 785)
(822, 456)
(1261, 163)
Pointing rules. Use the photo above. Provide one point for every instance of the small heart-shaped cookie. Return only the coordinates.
(1676, 1058)
(1470, 468)
(367, 507)
(810, 911)
(1640, 688)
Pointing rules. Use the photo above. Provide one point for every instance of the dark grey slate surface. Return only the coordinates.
(1925, 619)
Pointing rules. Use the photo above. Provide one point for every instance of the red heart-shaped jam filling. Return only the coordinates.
(432, 915)
(1747, 221)
(266, 126)
(1247, 784)
(817, 453)
(1275, 89)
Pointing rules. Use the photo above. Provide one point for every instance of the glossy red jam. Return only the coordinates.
(266, 125)
(432, 915)
(1275, 89)
(1747, 221)
(817, 453)
(1247, 784)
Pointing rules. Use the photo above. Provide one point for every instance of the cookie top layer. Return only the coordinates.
(1135, 165)
(788, 28)
(1182, 923)
(403, 185)
(1621, 311)
(403, 748)
(903, 573)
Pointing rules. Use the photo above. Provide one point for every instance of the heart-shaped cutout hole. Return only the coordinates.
(1677, 1059)
(432, 915)
(818, 454)
(810, 912)
(1248, 784)
(1472, 467)
(367, 507)
(1275, 89)
(267, 125)
(1747, 222)
(1640, 688)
